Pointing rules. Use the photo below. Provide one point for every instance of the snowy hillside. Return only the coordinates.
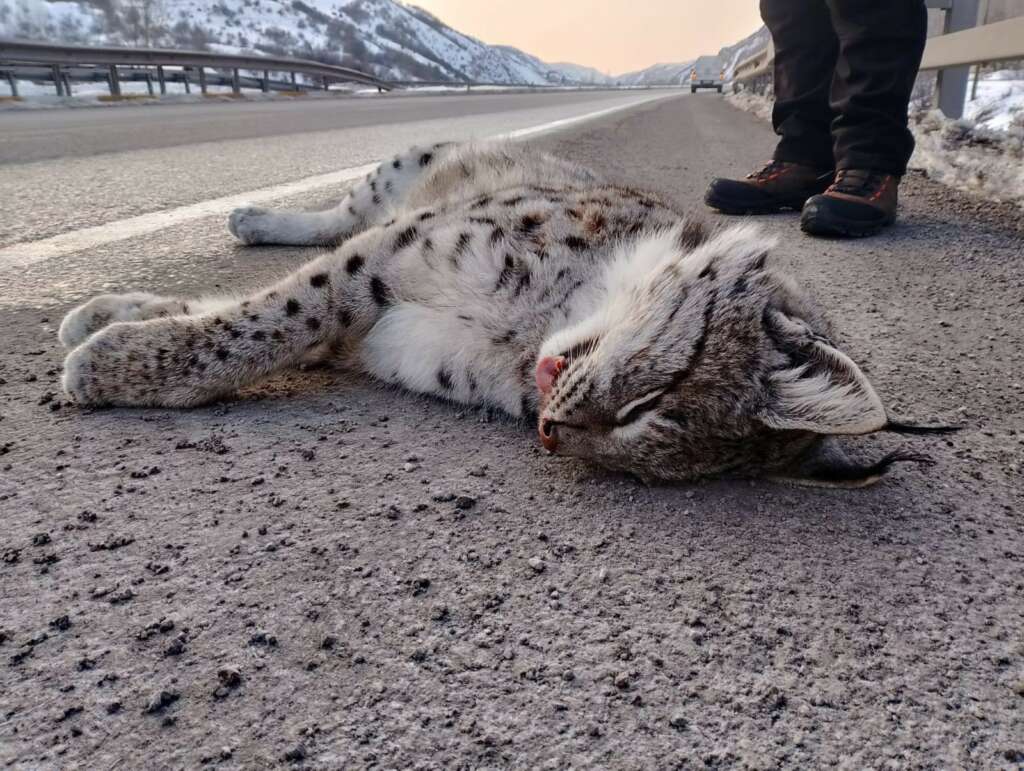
(392, 40)
(737, 52)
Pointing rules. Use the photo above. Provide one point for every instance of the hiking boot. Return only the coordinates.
(860, 203)
(778, 186)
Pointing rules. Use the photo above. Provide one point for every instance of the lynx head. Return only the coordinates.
(702, 360)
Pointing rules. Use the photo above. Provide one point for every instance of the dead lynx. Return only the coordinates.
(497, 275)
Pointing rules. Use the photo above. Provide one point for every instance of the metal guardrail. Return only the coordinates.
(965, 43)
(756, 65)
(64, 60)
(147, 75)
(64, 64)
(998, 41)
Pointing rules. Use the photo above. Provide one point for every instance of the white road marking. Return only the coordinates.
(31, 252)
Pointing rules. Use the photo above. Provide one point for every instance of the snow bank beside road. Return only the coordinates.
(969, 156)
(1000, 101)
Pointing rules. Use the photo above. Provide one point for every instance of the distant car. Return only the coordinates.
(708, 72)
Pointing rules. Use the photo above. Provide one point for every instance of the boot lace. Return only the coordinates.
(772, 170)
(858, 182)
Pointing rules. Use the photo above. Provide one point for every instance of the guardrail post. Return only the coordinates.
(58, 80)
(266, 81)
(294, 86)
(952, 82)
(149, 83)
(184, 79)
(982, 21)
(327, 84)
(67, 85)
(202, 80)
(236, 85)
(115, 84)
(161, 80)
(13, 83)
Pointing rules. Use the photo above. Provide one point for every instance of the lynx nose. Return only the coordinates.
(548, 431)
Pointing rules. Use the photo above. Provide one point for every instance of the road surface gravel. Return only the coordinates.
(327, 574)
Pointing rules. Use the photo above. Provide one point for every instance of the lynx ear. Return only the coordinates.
(821, 390)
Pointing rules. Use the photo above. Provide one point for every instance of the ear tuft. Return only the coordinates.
(821, 390)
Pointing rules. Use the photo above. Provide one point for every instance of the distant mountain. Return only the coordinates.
(392, 40)
(581, 74)
(658, 75)
(679, 74)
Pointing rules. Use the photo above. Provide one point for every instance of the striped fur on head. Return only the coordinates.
(701, 360)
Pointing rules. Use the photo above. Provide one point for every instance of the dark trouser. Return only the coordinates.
(844, 70)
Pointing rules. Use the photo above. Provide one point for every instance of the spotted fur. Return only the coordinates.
(497, 275)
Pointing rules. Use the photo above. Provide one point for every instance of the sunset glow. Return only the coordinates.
(614, 36)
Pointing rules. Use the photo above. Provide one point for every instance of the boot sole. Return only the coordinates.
(816, 222)
(726, 207)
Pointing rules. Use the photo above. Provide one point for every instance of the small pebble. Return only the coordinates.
(160, 701)
(229, 676)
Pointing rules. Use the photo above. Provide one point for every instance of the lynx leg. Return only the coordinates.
(252, 226)
(106, 309)
(368, 203)
(186, 360)
(180, 361)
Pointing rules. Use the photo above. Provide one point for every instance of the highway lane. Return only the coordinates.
(121, 162)
(75, 133)
(730, 624)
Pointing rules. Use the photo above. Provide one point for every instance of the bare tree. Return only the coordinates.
(146, 20)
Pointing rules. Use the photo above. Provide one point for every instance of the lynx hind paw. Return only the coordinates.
(249, 224)
(107, 309)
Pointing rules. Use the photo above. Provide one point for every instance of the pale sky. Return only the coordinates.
(615, 36)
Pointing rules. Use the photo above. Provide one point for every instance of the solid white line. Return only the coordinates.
(555, 125)
(32, 252)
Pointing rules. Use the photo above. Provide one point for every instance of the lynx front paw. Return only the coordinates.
(249, 225)
(90, 370)
(106, 309)
(155, 364)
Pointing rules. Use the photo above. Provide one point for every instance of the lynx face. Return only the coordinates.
(705, 363)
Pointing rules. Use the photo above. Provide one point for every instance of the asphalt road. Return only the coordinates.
(65, 170)
(292, 579)
(45, 134)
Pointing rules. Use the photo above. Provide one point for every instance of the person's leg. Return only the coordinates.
(805, 56)
(806, 49)
(880, 47)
